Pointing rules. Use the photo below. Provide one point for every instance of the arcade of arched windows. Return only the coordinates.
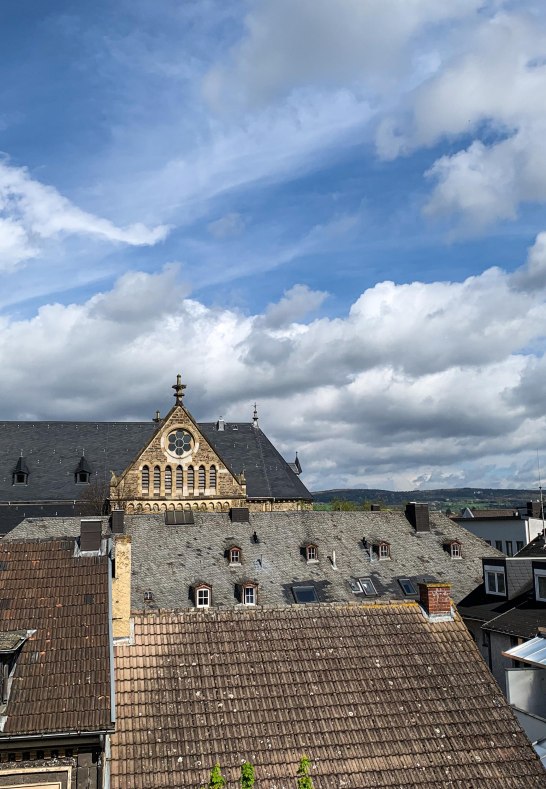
(218, 506)
(184, 480)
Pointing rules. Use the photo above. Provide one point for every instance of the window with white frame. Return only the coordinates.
(249, 594)
(311, 553)
(456, 550)
(495, 582)
(202, 597)
(235, 555)
(384, 550)
(540, 584)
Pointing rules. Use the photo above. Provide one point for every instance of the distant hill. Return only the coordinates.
(440, 498)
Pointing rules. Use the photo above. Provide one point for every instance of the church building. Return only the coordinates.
(168, 464)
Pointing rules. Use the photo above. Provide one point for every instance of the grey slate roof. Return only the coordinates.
(53, 453)
(536, 549)
(167, 560)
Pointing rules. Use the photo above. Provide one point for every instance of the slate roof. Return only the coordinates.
(536, 549)
(53, 451)
(167, 560)
(375, 695)
(62, 679)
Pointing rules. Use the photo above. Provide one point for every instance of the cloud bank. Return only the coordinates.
(418, 384)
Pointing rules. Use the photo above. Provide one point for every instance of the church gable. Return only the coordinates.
(177, 465)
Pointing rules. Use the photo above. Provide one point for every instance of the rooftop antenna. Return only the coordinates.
(541, 500)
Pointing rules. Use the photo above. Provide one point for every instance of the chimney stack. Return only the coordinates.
(90, 535)
(435, 599)
(117, 524)
(418, 516)
(533, 509)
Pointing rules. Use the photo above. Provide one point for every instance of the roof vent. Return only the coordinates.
(90, 535)
(239, 514)
(220, 424)
(117, 521)
(418, 516)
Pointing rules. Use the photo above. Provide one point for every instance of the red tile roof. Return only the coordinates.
(375, 695)
(62, 677)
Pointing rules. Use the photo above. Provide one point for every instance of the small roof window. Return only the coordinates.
(234, 555)
(384, 550)
(249, 593)
(407, 586)
(311, 552)
(305, 594)
(202, 594)
(495, 581)
(367, 586)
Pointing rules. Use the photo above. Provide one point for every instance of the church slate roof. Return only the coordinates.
(375, 695)
(168, 559)
(52, 451)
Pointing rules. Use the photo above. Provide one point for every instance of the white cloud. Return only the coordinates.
(414, 382)
(31, 213)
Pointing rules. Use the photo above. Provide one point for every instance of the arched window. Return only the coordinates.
(201, 478)
(157, 479)
(145, 479)
(212, 478)
(191, 478)
(168, 481)
(179, 479)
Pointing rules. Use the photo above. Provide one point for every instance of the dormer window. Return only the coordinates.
(11, 644)
(234, 555)
(495, 582)
(203, 596)
(455, 549)
(20, 473)
(384, 550)
(249, 594)
(540, 584)
(82, 472)
(311, 552)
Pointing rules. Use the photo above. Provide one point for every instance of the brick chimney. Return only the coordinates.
(435, 599)
(418, 516)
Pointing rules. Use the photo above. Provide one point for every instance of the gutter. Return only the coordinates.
(111, 636)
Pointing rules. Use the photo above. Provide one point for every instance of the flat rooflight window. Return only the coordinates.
(356, 587)
(305, 594)
(367, 586)
(494, 580)
(540, 585)
(407, 586)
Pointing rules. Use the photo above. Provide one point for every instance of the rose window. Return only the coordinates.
(179, 443)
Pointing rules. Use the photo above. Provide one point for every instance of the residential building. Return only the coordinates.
(57, 705)
(509, 606)
(526, 688)
(507, 530)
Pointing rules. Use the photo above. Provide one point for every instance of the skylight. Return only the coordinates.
(408, 587)
(305, 594)
(367, 586)
(533, 651)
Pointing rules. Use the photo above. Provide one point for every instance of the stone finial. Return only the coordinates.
(179, 389)
(255, 416)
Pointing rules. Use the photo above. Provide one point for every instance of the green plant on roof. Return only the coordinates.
(247, 776)
(216, 780)
(304, 779)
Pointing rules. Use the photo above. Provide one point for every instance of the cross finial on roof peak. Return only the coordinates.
(179, 389)
(255, 416)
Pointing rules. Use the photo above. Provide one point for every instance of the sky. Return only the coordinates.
(332, 208)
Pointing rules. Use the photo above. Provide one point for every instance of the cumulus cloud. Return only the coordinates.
(31, 213)
(532, 276)
(292, 45)
(414, 382)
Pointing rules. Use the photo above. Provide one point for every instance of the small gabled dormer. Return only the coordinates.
(82, 472)
(454, 548)
(201, 594)
(248, 593)
(20, 473)
(234, 555)
(383, 550)
(539, 579)
(310, 551)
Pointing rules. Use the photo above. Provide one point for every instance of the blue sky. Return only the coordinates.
(334, 208)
